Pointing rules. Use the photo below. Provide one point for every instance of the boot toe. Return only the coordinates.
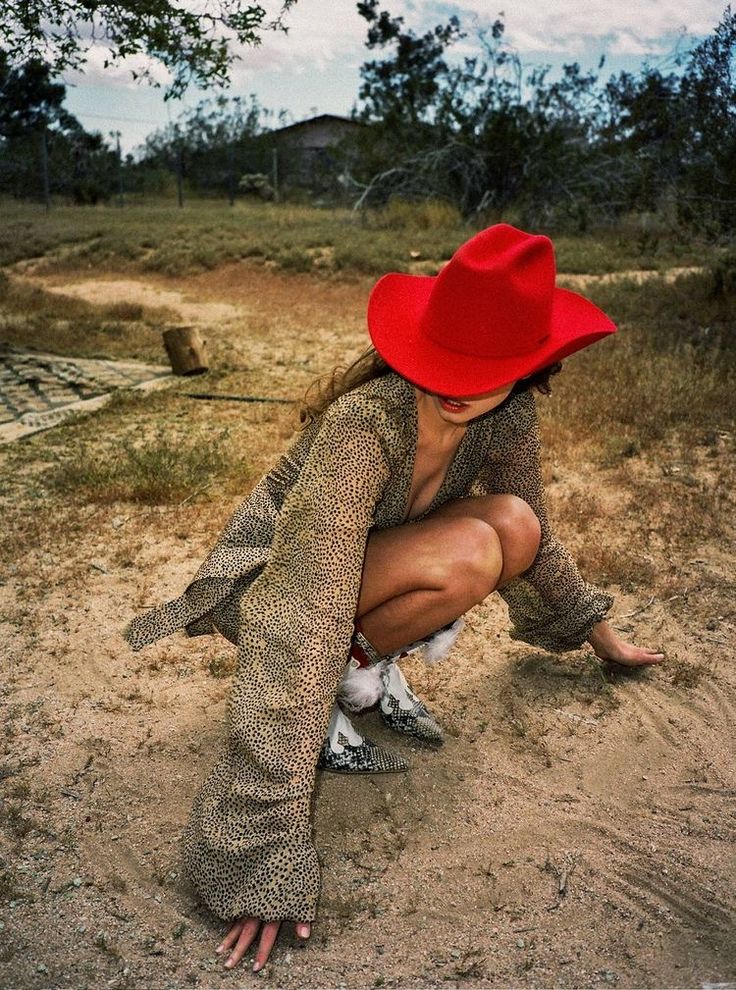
(418, 723)
(366, 757)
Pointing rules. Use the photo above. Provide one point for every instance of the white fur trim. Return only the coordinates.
(439, 645)
(361, 687)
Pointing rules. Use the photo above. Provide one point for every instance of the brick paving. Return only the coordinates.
(40, 390)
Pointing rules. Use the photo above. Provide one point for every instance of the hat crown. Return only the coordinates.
(493, 299)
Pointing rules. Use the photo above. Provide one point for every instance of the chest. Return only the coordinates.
(431, 465)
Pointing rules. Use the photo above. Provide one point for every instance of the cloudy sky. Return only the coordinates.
(315, 67)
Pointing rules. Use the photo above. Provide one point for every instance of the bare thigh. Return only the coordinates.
(414, 556)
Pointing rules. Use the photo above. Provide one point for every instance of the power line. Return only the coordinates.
(109, 116)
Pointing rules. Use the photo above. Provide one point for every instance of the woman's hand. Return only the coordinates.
(244, 931)
(609, 646)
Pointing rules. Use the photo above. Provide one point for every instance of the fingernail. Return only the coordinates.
(257, 966)
(220, 948)
(302, 931)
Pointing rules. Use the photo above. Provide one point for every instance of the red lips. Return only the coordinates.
(451, 405)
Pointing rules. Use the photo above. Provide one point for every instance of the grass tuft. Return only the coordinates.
(162, 471)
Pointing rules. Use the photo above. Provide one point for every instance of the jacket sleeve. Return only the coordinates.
(248, 846)
(550, 605)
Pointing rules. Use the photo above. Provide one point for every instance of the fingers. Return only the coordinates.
(248, 932)
(647, 656)
(268, 937)
(232, 936)
(636, 657)
(241, 936)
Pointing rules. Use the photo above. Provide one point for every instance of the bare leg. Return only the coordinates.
(419, 576)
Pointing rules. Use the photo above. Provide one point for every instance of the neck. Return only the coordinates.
(431, 423)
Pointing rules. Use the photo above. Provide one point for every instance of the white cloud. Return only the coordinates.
(120, 75)
(627, 43)
(633, 27)
(318, 34)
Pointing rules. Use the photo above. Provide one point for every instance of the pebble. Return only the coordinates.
(42, 968)
(520, 943)
(77, 881)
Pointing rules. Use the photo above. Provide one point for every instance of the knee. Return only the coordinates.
(474, 566)
(519, 530)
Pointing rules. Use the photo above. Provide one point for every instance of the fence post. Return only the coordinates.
(275, 174)
(231, 175)
(45, 168)
(121, 193)
(116, 135)
(179, 169)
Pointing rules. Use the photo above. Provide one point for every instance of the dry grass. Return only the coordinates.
(160, 471)
(32, 317)
(160, 237)
(672, 365)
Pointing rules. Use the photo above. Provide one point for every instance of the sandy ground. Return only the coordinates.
(576, 830)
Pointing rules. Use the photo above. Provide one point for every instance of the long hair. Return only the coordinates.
(370, 365)
(327, 388)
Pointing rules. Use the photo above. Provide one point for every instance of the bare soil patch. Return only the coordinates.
(576, 829)
(123, 290)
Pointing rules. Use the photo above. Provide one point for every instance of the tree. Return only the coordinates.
(473, 131)
(490, 136)
(673, 134)
(212, 144)
(29, 99)
(192, 40)
(402, 90)
(38, 135)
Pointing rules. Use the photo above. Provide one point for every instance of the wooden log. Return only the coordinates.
(186, 350)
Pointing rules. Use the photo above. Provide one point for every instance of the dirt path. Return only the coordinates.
(123, 290)
(576, 830)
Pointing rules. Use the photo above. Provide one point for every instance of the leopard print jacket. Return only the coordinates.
(290, 558)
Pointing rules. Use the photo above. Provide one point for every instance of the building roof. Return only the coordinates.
(323, 118)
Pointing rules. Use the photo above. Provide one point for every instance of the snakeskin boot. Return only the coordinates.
(346, 751)
(400, 708)
(402, 711)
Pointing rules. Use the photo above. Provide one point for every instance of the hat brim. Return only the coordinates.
(395, 310)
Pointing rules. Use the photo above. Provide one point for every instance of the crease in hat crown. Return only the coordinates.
(493, 299)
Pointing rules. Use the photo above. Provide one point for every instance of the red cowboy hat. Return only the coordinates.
(492, 315)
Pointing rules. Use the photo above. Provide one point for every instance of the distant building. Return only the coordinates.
(308, 151)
